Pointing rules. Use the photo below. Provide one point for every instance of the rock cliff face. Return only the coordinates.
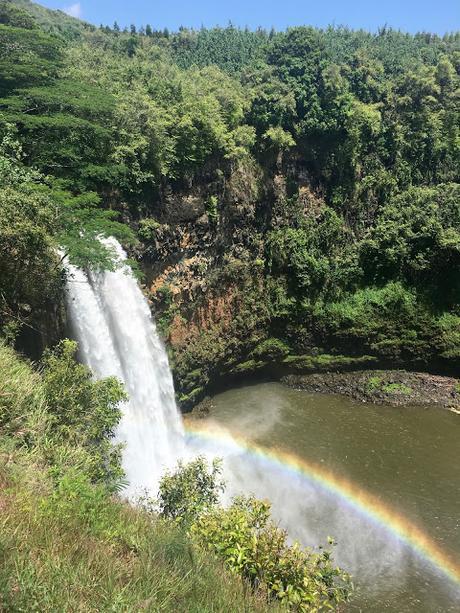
(44, 328)
(203, 257)
(209, 281)
(253, 271)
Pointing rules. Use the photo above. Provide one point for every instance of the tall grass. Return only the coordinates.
(22, 398)
(67, 545)
(50, 561)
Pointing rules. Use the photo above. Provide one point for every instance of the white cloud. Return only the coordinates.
(74, 10)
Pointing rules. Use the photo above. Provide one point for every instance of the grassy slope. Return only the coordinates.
(65, 545)
(51, 560)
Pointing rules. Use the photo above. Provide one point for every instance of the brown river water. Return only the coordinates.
(384, 481)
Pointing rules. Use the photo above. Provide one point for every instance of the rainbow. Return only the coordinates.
(363, 502)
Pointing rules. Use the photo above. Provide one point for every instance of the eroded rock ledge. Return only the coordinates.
(396, 387)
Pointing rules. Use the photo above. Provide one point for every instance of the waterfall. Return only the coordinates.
(111, 320)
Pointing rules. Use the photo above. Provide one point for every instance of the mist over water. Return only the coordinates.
(111, 321)
(404, 457)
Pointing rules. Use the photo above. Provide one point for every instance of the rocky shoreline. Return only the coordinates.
(394, 387)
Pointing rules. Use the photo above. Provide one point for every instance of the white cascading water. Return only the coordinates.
(111, 321)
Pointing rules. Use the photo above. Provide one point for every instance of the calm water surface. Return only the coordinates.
(408, 457)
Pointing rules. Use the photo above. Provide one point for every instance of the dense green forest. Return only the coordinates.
(308, 179)
(290, 202)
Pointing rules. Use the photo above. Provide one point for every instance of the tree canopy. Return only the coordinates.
(345, 143)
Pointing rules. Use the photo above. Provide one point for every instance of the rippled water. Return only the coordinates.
(406, 457)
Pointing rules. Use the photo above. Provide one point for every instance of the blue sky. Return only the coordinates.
(409, 15)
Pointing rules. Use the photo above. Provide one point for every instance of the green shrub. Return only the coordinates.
(187, 400)
(271, 349)
(190, 490)
(83, 412)
(254, 547)
(61, 414)
(211, 207)
(391, 321)
(29, 276)
(249, 542)
(148, 228)
(75, 500)
(397, 388)
(324, 361)
(374, 383)
(449, 331)
(248, 366)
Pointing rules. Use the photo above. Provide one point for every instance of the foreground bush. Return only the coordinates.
(71, 547)
(66, 542)
(61, 414)
(84, 413)
(250, 543)
(190, 491)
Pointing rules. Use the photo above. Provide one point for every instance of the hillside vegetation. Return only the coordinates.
(69, 543)
(294, 195)
(292, 202)
(66, 542)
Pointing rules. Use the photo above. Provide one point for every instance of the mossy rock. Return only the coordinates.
(326, 361)
(248, 366)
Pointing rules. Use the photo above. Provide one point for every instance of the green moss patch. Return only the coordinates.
(325, 361)
(397, 388)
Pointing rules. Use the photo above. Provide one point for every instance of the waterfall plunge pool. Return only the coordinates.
(384, 481)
